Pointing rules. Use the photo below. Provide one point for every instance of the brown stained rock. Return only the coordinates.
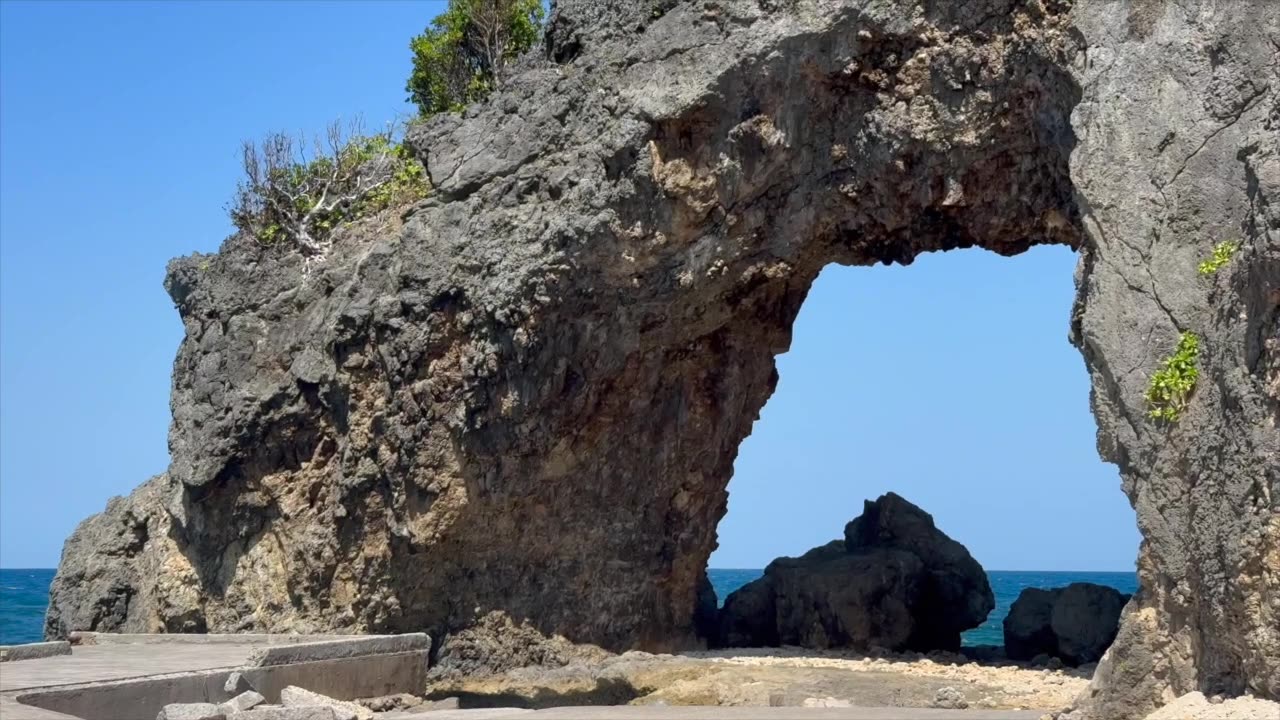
(525, 396)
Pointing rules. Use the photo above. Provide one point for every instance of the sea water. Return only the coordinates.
(24, 594)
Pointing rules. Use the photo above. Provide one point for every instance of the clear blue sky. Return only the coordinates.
(950, 381)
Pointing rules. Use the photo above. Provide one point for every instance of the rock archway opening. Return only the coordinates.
(951, 383)
(524, 401)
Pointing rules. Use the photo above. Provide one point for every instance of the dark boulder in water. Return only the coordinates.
(895, 582)
(1076, 623)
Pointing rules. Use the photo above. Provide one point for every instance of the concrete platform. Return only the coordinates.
(98, 663)
(34, 651)
(132, 677)
(122, 678)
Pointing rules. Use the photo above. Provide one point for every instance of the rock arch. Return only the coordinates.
(525, 396)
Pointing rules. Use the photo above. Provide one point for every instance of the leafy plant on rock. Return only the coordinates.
(459, 59)
(291, 194)
(1172, 384)
(1222, 253)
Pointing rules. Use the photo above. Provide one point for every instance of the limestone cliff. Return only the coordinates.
(525, 395)
(1179, 128)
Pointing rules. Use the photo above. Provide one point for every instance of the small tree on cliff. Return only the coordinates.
(298, 195)
(459, 59)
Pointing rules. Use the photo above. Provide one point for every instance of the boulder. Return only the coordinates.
(280, 712)
(1027, 631)
(236, 684)
(1075, 624)
(294, 696)
(244, 701)
(191, 711)
(397, 701)
(954, 595)
(895, 581)
(950, 698)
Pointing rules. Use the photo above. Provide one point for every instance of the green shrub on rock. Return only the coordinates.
(1171, 385)
(299, 196)
(1222, 253)
(460, 58)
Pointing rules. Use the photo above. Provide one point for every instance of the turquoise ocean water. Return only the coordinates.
(25, 593)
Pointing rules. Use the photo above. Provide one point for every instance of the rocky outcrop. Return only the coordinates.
(526, 394)
(1179, 149)
(895, 582)
(120, 570)
(1075, 624)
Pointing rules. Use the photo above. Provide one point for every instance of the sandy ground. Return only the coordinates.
(1195, 706)
(776, 677)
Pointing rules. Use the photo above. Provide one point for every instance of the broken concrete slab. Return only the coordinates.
(84, 637)
(34, 651)
(346, 678)
(335, 649)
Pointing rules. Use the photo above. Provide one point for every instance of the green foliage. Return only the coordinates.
(290, 194)
(1222, 253)
(661, 7)
(460, 58)
(1173, 382)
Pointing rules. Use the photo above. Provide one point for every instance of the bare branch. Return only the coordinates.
(291, 194)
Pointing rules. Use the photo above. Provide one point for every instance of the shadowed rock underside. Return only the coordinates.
(525, 395)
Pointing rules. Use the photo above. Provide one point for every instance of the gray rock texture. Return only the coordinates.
(192, 711)
(1075, 624)
(293, 696)
(244, 701)
(277, 712)
(525, 395)
(1179, 148)
(895, 582)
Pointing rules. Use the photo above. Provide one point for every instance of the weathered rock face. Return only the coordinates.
(1179, 129)
(894, 582)
(526, 395)
(1076, 623)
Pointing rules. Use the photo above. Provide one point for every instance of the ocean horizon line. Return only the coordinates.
(990, 570)
(762, 567)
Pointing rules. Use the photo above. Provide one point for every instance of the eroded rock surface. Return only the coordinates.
(1179, 149)
(895, 582)
(525, 396)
